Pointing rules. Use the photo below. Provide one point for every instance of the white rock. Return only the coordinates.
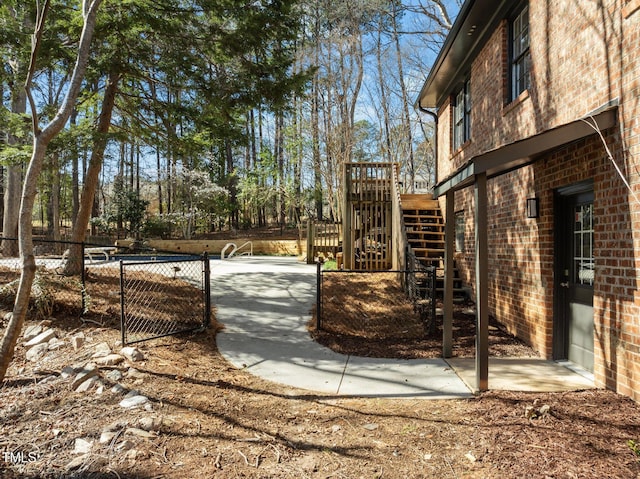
(150, 423)
(82, 445)
(101, 350)
(113, 375)
(86, 385)
(37, 352)
(41, 338)
(90, 370)
(109, 360)
(30, 332)
(132, 354)
(55, 343)
(118, 389)
(133, 402)
(133, 392)
(77, 341)
(107, 436)
(134, 373)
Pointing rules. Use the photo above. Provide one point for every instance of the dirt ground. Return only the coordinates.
(207, 419)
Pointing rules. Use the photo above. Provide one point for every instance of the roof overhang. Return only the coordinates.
(523, 152)
(476, 20)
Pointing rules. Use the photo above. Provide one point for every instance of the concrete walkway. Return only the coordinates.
(265, 303)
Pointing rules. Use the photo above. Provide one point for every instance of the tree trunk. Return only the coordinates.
(75, 177)
(74, 260)
(54, 201)
(279, 156)
(21, 305)
(13, 186)
(159, 170)
(406, 119)
(232, 183)
(41, 139)
(315, 125)
(386, 121)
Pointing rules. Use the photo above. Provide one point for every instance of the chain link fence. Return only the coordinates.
(148, 293)
(367, 304)
(420, 284)
(164, 297)
(53, 291)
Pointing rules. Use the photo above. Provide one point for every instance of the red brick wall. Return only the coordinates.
(521, 257)
(578, 64)
(576, 68)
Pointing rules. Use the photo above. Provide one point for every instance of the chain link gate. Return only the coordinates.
(420, 284)
(161, 298)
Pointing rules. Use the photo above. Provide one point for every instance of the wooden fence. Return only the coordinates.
(323, 239)
(367, 213)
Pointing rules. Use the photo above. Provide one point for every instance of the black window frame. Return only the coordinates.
(519, 52)
(462, 115)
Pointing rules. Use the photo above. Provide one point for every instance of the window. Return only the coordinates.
(583, 245)
(519, 55)
(462, 116)
(459, 218)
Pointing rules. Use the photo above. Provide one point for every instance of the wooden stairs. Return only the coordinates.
(424, 225)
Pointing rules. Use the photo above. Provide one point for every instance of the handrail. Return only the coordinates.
(235, 249)
(226, 247)
(399, 227)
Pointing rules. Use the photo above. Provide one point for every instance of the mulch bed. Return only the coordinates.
(368, 314)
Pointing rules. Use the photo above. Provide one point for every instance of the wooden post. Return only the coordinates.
(347, 243)
(310, 239)
(449, 247)
(482, 296)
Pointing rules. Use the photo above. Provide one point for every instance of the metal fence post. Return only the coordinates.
(83, 280)
(207, 290)
(319, 296)
(434, 292)
(122, 303)
(407, 273)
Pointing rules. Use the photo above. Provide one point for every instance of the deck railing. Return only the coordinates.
(324, 238)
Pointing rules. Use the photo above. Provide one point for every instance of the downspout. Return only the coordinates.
(447, 320)
(435, 133)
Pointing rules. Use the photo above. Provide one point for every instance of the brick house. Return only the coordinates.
(538, 168)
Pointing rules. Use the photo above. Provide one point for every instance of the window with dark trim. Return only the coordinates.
(462, 116)
(519, 54)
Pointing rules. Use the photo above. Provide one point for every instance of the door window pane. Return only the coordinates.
(583, 261)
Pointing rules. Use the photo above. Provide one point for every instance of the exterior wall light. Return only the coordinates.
(533, 208)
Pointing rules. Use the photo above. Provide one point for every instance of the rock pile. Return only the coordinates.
(105, 370)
